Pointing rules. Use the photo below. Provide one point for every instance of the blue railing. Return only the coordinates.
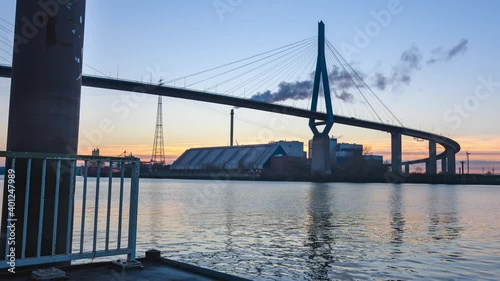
(85, 239)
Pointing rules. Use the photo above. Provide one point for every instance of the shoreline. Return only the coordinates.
(470, 179)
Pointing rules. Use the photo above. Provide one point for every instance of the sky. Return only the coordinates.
(454, 88)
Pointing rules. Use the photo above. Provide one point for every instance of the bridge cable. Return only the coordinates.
(331, 46)
(238, 61)
(289, 74)
(276, 71)
(236, 68)
(284, 75)
(5, 59)
(262, 84)
(9, 23)
(255, 68)
(6, 40)
(362, 82)
(357, 86)
(330, 61)
(97, 70)
(253, 78)
(351, 112)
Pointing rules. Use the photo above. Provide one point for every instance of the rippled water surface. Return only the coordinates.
(316, 231)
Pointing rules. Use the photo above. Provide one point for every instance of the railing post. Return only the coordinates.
(134, 197)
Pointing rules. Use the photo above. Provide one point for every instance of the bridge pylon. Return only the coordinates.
(321, 165)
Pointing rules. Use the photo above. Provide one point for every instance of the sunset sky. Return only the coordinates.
(454, 89)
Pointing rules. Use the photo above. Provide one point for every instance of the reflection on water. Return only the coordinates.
(397, 215)
(443, 214)
(308, 231)
(229, 215)
(320, 232)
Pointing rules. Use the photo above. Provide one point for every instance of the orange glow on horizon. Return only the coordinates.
(482, 149)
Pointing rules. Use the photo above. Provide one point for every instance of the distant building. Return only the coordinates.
(236, 158)
(333, 149)
(293, 148)
(349, 153)
(373, 160)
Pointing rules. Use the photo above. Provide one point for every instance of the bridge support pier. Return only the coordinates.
(396, 149)
(44, 116)
(431, 165)
(407, 168)
(444, 166)
(451, 162)
(320, 165)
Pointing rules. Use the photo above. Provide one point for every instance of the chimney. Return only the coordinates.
(232, 128)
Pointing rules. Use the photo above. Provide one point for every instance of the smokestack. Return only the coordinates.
(232, 128)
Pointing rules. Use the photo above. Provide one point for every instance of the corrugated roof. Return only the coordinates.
(227, 157)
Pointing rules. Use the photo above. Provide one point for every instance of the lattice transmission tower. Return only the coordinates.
(158, 155)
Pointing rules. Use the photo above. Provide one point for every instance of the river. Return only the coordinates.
(292, 230)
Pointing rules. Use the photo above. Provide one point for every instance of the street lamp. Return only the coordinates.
(468, 153)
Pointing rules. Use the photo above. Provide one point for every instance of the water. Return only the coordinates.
(291, 231)
(315, 231)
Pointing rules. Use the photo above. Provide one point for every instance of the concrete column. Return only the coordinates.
(407, 168)
(320, 165)
(451, 162)
(431, 165)
(396, 148)
(444, 167)
(44, 111)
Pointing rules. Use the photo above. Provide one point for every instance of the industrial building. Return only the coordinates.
(348, 153)
(237, 158)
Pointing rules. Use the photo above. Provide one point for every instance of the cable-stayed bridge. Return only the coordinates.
(334, 92)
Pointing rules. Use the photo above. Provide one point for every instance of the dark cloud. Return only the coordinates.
(409, 63)
(345, 96)
(442, 55)
(339, 81)
(342, 82)
(286, 91)
(461, 48)
(380, 81)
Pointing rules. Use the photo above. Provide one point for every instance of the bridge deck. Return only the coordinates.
(139, 87)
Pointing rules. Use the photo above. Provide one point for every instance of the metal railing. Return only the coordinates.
(89, 233)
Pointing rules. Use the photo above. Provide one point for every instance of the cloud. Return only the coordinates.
(380, 81)
(345, 96)
(442, 55)
(338, 79)
(295, 91)
(410, 62)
